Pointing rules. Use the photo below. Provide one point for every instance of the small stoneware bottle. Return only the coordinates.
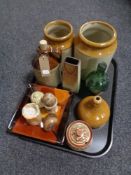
(97, 81)
(59, 34)
(46, 65)
(94, 110)
(71, 74)
(96, 42)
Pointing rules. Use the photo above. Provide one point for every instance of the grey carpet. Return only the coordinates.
(21, 25)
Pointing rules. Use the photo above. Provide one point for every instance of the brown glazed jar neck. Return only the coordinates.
(58, 22)
(49, 50)
(94, 52)
(65, 44)
(92, 102)
(95, 44)
(96, 101)
(41, 51)
(54, 58)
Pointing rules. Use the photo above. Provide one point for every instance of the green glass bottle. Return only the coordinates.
(98, 81)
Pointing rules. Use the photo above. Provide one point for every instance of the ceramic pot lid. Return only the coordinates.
(78, 135)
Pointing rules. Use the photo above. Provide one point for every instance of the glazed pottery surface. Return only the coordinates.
(31, 113)
(49, 122)
(78, 135)
(47, 60)
(52, 80)
(59, 33)
(36, 97)
(96, 42)
(71, 74)
(94, 110)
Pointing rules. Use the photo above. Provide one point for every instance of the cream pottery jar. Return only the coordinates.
(59, 34)
(96, 43)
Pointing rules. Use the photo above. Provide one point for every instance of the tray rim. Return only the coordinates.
(99, 154)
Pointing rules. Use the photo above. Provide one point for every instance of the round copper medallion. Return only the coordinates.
(78, 135)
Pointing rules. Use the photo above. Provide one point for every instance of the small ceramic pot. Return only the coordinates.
(36, 97)
(59, 33)
(31, 113)
(50, 102)
(78, 135)
(49, 122)
(96, 43)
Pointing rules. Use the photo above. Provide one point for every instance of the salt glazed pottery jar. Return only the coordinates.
(94, 110)
(78, 135)
(96, 42)
(59, 33)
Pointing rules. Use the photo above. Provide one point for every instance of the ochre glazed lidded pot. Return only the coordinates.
(95, 43)
(94, 110)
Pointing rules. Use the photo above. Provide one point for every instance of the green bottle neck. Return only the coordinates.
(101, 67)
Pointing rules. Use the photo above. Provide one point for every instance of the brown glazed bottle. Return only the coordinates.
(94, 110)
(53, 54)
(44, 47)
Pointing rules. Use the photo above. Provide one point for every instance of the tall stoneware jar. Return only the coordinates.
(95, 43)
(59, 34)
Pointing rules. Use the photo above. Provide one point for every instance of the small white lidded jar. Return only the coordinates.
(31, 113)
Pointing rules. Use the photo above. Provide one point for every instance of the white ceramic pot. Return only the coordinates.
(31, 113)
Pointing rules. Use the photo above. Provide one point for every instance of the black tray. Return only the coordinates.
(102, 137)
